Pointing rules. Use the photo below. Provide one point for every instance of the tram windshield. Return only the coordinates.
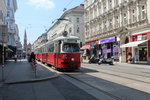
(71, 47)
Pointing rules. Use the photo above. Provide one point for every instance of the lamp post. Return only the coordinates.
(3, 34)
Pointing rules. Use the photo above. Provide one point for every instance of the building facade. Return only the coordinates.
(41, 40)
(71, 21)
(10, 21)
(111, 23)
(3, 31)
(3, 12)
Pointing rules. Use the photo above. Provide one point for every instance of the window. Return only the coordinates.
(70, 30)
(8, 3)
(99, 9)
(133, 16)
(95, 12)
(116, 2)
(51, 47)
(124, 19)
(116, 20)
(104, 7)
(100, 27)
(70, 20)
(8, 14)
(78, 20)
(1, 15)
(110, 23)
(105, 25)
(78, 30)
(142, 12)
(110, 4)
(71, 47)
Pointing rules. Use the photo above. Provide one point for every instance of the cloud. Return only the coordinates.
(41, 3)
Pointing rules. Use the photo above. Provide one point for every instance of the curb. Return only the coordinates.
(33, 80)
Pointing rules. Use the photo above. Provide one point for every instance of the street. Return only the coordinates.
(91, 82)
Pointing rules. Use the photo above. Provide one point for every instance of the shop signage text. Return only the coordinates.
(112, 39)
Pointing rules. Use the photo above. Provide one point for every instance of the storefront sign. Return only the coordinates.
(92, 45)
(112, 39)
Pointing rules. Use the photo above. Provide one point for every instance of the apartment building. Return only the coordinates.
(3, 30)
(71, 21)
(12, 27)
(111, 26)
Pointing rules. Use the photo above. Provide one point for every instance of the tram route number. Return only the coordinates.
(70, 40)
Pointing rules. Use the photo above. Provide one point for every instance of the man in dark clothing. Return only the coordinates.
(32, 57)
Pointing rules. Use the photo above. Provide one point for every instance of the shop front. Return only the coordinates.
(109, 48)
(89, 49)
(140, 47)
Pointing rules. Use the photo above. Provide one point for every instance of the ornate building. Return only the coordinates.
(116, 22)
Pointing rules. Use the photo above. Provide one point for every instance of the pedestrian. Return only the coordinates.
(129, 57)
(15, 58)
(19, 56)
(32, 57)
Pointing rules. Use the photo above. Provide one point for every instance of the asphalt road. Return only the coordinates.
(91, 82)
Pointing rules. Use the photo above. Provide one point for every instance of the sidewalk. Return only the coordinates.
(21, 72)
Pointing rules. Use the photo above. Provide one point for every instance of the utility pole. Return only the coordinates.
(3, 56)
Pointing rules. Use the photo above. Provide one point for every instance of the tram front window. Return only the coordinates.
(69, 47)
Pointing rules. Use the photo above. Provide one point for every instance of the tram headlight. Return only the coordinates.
(72, 59)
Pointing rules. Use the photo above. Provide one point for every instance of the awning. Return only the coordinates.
(85, 47)
(133, 44)
(9, 50)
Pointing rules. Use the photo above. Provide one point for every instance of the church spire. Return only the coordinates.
(25, 41)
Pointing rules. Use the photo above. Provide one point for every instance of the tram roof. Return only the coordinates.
(60, 38)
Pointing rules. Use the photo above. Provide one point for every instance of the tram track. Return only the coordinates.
(102, 91)
(126, 72)
(124, 76)
(114, 97)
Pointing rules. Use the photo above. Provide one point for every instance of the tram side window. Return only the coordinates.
(51, 47)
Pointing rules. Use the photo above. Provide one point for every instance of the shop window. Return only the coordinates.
(141, 37)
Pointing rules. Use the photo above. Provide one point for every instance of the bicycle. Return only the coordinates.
(33, 64)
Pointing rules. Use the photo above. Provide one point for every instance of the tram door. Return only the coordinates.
(57, 54)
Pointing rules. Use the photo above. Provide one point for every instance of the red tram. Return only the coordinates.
(62, 52)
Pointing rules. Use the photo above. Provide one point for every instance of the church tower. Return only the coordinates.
(25, 41)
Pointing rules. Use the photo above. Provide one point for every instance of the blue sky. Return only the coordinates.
(35, 16)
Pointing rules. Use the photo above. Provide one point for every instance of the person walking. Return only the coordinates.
(15, 58)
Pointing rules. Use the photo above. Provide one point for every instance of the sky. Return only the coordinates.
(35, 16)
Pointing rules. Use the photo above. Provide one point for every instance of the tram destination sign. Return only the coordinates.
(70, 40)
